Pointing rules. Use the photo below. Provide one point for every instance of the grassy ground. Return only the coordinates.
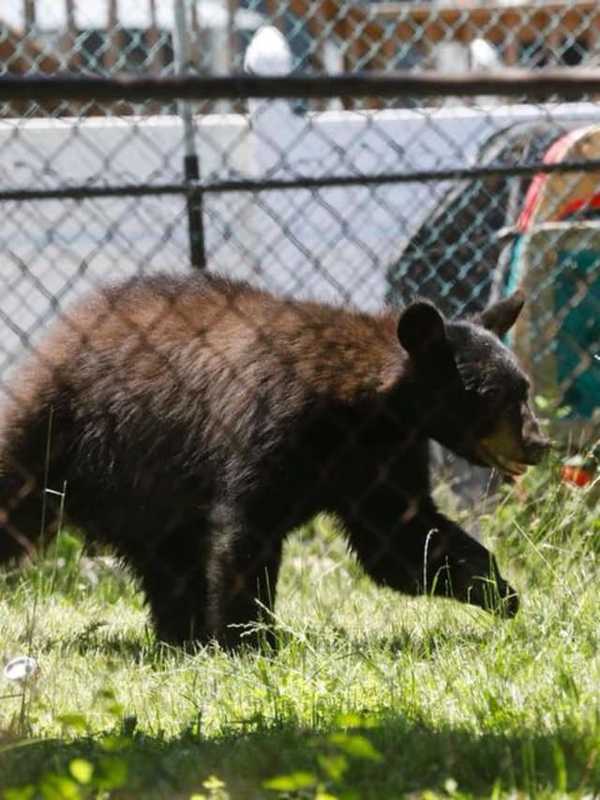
(369, 695)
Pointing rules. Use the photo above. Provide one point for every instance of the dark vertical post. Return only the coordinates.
(195, 213)
(191, 164)
(29, 14)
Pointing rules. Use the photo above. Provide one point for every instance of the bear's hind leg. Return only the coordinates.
(242, 582)
(172, 568)
(204, 585)
(178, 604)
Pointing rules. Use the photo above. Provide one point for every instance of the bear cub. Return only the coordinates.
(195, 421)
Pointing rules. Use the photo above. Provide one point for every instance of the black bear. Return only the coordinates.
(195, 421)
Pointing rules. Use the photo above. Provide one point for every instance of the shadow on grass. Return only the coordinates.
(414, 759)
(93, 638)
(425, 644)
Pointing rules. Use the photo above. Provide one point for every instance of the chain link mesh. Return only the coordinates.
(110, 37)
(461, 244)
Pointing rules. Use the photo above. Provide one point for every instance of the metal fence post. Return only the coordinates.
(191, 164)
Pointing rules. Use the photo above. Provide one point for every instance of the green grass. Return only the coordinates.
(369, 695)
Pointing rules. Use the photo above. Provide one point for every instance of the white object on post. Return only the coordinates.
(273, 122)
(268, 53)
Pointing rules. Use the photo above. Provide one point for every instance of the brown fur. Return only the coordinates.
(196, 421)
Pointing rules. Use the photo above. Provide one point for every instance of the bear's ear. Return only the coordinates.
(500, 317)
(420, 328)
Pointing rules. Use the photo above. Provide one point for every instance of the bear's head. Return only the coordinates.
(472, 395)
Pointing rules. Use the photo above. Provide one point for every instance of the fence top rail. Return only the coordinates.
(566, 83)
(198, 187)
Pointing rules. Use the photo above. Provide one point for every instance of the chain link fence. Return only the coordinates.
(117, 36)
(351, 200)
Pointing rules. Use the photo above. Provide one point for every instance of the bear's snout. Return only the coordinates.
(535, 449)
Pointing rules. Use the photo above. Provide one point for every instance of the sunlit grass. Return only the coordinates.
(455, 701)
